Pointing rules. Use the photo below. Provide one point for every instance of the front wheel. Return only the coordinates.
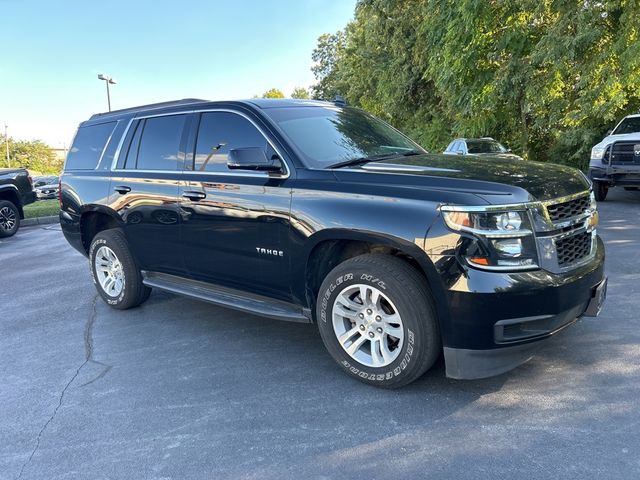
(600, 190)
(9, 218)
(376, 318)
(115, 272)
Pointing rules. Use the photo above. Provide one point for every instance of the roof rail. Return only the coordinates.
(151, 106)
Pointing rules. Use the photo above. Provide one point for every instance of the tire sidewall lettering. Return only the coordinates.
(107, 298)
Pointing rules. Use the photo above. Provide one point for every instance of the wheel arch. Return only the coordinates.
(328, 248)
(10, 193)
(95, 219)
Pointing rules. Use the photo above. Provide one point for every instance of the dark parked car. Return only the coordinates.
(46, 187)
(317, 212)
(16, 191)
(480, 147)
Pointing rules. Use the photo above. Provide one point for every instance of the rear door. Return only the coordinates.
(235, 223)
(145, 190)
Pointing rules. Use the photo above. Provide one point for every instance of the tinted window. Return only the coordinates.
(88, 146)
(134, 146)
(628, 125)
(220, 132)
(159, 143)
(328, 135)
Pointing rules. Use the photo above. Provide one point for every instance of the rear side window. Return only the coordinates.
(220, 132)
(88, 146)
(156, 143)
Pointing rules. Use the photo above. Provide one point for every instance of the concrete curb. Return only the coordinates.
(27, 222)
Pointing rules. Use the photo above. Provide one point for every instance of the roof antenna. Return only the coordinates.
(340, 101)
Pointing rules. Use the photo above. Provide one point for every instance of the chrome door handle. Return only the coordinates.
(194, 196)
(122, 189)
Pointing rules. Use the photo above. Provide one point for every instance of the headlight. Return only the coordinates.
(500, 240)
(597, 153)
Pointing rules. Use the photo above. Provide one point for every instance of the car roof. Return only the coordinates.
(179, 105)
(463, 139)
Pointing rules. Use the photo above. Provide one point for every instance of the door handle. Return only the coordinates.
(194, 196)
(122, 189)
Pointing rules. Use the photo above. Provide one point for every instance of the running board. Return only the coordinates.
(227, 297)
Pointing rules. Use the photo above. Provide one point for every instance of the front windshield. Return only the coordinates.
(484, 146)
(628, 125)
(328, 135)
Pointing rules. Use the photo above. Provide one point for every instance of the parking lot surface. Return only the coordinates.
(181, 389)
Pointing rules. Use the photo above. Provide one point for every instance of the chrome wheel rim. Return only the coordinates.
(367, 325)
(7, 218)
(109, 271)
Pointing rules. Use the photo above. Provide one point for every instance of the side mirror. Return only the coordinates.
(252, 158)
(508, 150)
(609, 132)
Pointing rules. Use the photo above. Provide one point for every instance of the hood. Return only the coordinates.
(627, 137)
(542, 181)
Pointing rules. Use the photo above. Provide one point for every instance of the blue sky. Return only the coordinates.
(52, 52)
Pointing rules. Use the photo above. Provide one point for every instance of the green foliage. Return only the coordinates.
(34, 155)
(546, 77)
(273, 93)
(300, 93)
(328, 57)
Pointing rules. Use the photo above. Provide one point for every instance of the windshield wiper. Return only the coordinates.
(374, 158)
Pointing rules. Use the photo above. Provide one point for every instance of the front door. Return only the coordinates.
(235, 224)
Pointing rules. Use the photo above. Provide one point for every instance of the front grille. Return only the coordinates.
(573, 249)
(623, 153)
(565, 210)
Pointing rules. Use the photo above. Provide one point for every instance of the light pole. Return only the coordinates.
(107, 80)
(6, 142)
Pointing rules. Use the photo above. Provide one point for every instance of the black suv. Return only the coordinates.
(318, 212)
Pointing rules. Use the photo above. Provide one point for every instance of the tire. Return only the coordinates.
(400, 290)
(9, 219)
(110, 251)
(600, 190)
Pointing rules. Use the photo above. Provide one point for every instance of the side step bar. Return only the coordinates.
(227, 297)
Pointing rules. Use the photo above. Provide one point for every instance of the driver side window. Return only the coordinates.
(220, 132)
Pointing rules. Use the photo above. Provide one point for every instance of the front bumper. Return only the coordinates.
(498, 320)
(616, 175)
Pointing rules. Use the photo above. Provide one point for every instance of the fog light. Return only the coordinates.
(509, 247)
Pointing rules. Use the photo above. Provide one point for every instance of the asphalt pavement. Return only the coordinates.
(179, 389)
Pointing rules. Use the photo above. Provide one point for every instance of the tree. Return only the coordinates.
(328, 57)
(34, 155)
(273, 93)
(301, 93)
(547, 78)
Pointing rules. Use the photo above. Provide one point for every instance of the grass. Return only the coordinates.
(42, 208)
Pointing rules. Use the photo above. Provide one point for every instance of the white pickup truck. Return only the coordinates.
(616, 159)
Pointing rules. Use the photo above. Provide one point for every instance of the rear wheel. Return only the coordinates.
(9, 218)
(376, 318)
(600, 190)
(114, 271)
